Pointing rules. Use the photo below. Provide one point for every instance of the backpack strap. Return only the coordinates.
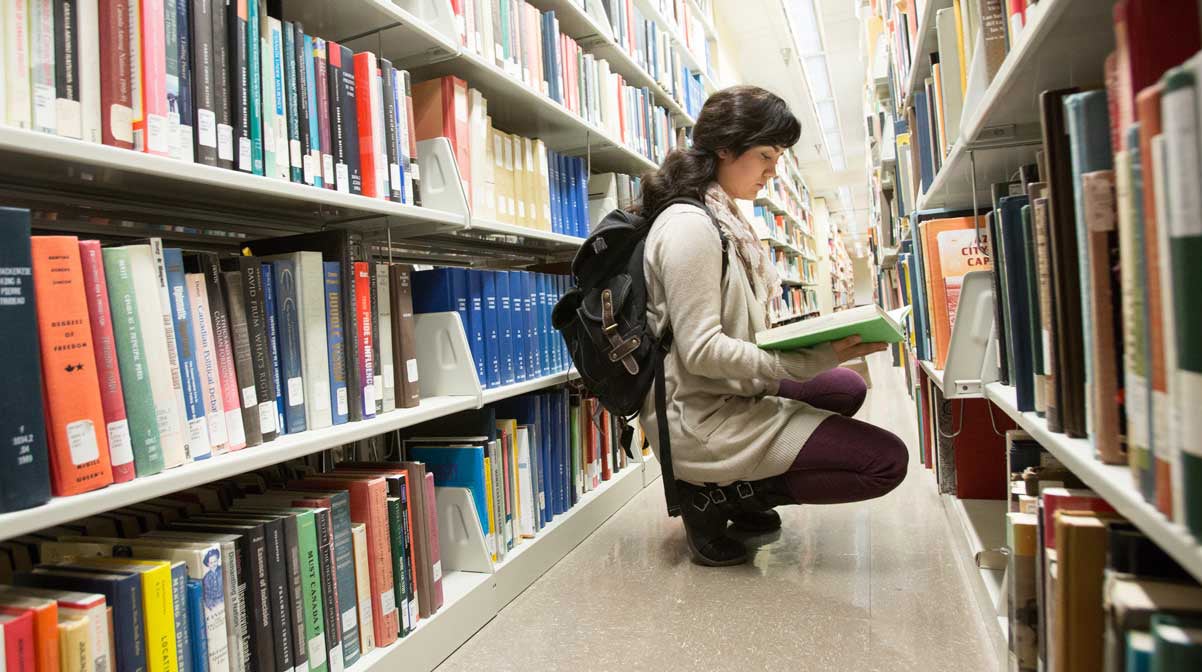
(661, 420)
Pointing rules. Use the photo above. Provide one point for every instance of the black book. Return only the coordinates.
(201, 39)
(350, 122)
(66, 60)
(337, 127)
(244, 366)
(391, 141)
(413, 168)
(239, 77)
(332, 615)
(299, 58)
(345, 248)
(260, 349)
(291, 85)
(186, 101)
(222, 101)
(24, 462)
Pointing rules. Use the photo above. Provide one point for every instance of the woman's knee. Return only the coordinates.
(893, 459)
(852, 387)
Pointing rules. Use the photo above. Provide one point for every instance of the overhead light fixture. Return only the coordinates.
(845, 196)
(827, 117)
(818, 77)
(805, 26)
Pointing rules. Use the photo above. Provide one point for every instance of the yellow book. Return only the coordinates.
(158, 607)
(490, 176)
(490, 534)
(519, 180)
(960, 45)
(531, 180)
(505, 177)
(510, 427)
(367, 638)
(74, 649)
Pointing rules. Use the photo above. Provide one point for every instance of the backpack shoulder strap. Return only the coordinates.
(694, 202)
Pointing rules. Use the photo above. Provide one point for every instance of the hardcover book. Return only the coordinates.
(870, 323)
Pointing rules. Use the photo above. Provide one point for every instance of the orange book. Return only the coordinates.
(45, 625)
(950, 251)
(1147, 105)
(440, 111)
(75, 427)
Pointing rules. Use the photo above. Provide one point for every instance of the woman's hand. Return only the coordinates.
(850, 348)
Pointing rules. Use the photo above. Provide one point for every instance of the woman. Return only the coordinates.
(750, 429)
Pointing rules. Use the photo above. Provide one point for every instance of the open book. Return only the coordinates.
(873, 325)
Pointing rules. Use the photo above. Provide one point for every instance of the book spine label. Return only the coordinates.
(107, 368)
(243, 358)
(181, 312)
(78, 445)
(336, 341)
(322, 92)
(206, 362)
(363, 313)
(202, 78)
(288, 326)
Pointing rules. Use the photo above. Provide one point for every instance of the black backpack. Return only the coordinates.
(603, 320)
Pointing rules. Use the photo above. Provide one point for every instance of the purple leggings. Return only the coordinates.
(844, 460)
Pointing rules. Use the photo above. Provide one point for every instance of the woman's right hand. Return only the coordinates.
(851, 348)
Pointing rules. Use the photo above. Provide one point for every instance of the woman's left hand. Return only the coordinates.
(852, 347)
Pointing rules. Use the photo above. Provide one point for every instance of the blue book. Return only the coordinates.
(1013, 253)
(273, 342)
(552, 491)
(185, 348)
(557, 344)
(254, 86)
(289, 344)
(562, 427)
(475, 320)
(122, 593)
(517, 324)
(505, 327)
(459, 293)
(557, 455)
(543, 330)
(565, 196)
(492, 342)
(434, 291)
(553, 197)
(582, 196)
(315, 148)
(196, 624)
(923, 145)
(533, 365)
(179, 603)
(336, 342)
(557, 92)
(458, 467)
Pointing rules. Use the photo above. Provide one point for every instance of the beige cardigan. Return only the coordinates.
(726, 425)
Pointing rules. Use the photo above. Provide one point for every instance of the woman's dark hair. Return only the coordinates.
(737, 119)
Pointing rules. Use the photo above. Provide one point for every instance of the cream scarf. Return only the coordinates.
(756, 261)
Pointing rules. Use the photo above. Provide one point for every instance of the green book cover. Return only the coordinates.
(577, 477)
(397, 539)
(871, 323)
(253, 47)
(311, 580)
(131, 359)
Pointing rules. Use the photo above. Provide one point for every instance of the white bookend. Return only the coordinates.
(89, 69)
(444, 360)
(168, 322)
(460, 539)
(150, 315)
(206, 363)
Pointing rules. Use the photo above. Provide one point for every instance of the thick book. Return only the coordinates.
(116, 104)
(954, 251)
(207, 263)
(206, 363)
(404, 336)
(255, 308)
(1017, 289)
(24, 473)
(203, 74)
(273, 345)
(440, 110)
(309, 285)
(288, 332)
(386, 375)
(871, 323)
(244, 368)
(165, 305)
(368, 103)
(185, 343)
(76, 438)
(364, 357)
(107, 367)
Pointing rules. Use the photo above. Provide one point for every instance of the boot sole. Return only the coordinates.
(700, 559)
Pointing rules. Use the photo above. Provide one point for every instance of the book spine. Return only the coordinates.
(254, 67)
(313, 113)
(267, 100)
(222, 93)
(243, 359)
(238, 54)
(275, 39)
(179, 607)
(395, 535)
(260, 346)
(340, 178)
(181, 314)
(197, 626)
(363, 318)
(311, 317)
(336, 341)
(299, 650)
(390, 130)
(408, 605)
(279, 583)
(107, 368)
(171, 28)
(205, 145)
(331, 616)
(405, 371)
(367, 638)
(288, 327)
(414, 167)
(344, 565)
(79, 453)
(295, 165)
(116, 113)
(68, 113)
(405, 159)
(365, 78)
(152, 128)
(269, 316)
(374, 312)
(384, 336)
(219, 324)
(311, 592)
(16, 99)
(322, 92)
(302, 105)
(41, 63)
(206, 362)
(350, 123)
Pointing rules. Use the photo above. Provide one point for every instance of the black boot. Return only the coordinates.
(705, 510)
(754, 501)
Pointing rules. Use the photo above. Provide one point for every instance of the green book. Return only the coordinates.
(131, 359)
(396, 532)
(1178, 643)
(253, 47)
(311, 580)
(871, 323)
(577, 476)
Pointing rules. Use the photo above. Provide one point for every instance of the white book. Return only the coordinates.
(385, 381)
(367, 638)
(525, 485)
(1166, 432)
(206, 363)
(544, 185)
(282, 159)
(377, 121)
(488, 42)
(267, 98)
(949, 59)
(89, 69)
(41, 65)
(311, 315)
(167, 403)
(477, 113)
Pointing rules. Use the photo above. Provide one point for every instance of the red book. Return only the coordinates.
(1018, 17)
(440, 110)
(366, 365)
(121, 453)
(369, 505)
(44, 616)
(367, 101)
(78, 447)
(1145, 51)
(1067, 499)
(18, 650)
(606, 468)
(431, 507)
(150, 129)
(116, 102)
(329, 181)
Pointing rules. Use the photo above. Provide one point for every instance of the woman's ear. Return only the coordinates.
(724, 154)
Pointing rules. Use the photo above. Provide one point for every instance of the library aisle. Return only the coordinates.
(866, 586)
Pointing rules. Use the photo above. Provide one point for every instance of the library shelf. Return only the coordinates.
(651, 470)
(1001, 130)
(43, 171)
(920, 65)
(62, 509)
(1112, 482)
(387, 28)
(472, 599)
(597, 39)
(491, 395)
(936, 375)
(691, 61)
(502, 236)
(979, 528)
(711, 31)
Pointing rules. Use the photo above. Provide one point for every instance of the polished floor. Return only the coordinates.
(870, 586)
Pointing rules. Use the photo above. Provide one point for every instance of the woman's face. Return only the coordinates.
(743, 176)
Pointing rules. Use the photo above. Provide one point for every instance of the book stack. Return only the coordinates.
(291, 566)
(608, 192)
(528, 45)
(653, 50)
(506, 316)
(1087, 590)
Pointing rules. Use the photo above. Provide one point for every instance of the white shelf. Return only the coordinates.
(1075, 37)
(390, 29)
(523, 237)
(62, 509)
(1112, 482)
(506, 391)
(920, 64)
(691, 61)
(652, 470)
(980, 525)
(711, 31)
(936, 375)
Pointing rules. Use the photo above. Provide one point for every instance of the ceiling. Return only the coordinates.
(756, 38)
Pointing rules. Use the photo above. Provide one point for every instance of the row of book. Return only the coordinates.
(294, 566)
(1087, 590)
(781, 228)
(795, 302)
(506, 316)
(651, 47)
(784, 196)
(514, 179)
(528, 45)
(1096, 317)
(610, 191)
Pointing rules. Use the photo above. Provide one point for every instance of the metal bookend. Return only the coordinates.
(444, 360)
(460, 537)
(968, 367)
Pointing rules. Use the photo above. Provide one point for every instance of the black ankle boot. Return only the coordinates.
(754, 501)
(756, 522)
(705, 510)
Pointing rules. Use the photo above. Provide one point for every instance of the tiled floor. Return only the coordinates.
(868, 586)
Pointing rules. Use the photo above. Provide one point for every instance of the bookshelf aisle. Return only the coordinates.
(1047, 149)
(784, 216)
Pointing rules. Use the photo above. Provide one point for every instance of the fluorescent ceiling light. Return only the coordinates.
(819, 78)
(805, 25)
(828, 119)
(838, 163)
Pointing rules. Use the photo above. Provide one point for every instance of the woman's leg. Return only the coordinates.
(839, 390)
(846, 460)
